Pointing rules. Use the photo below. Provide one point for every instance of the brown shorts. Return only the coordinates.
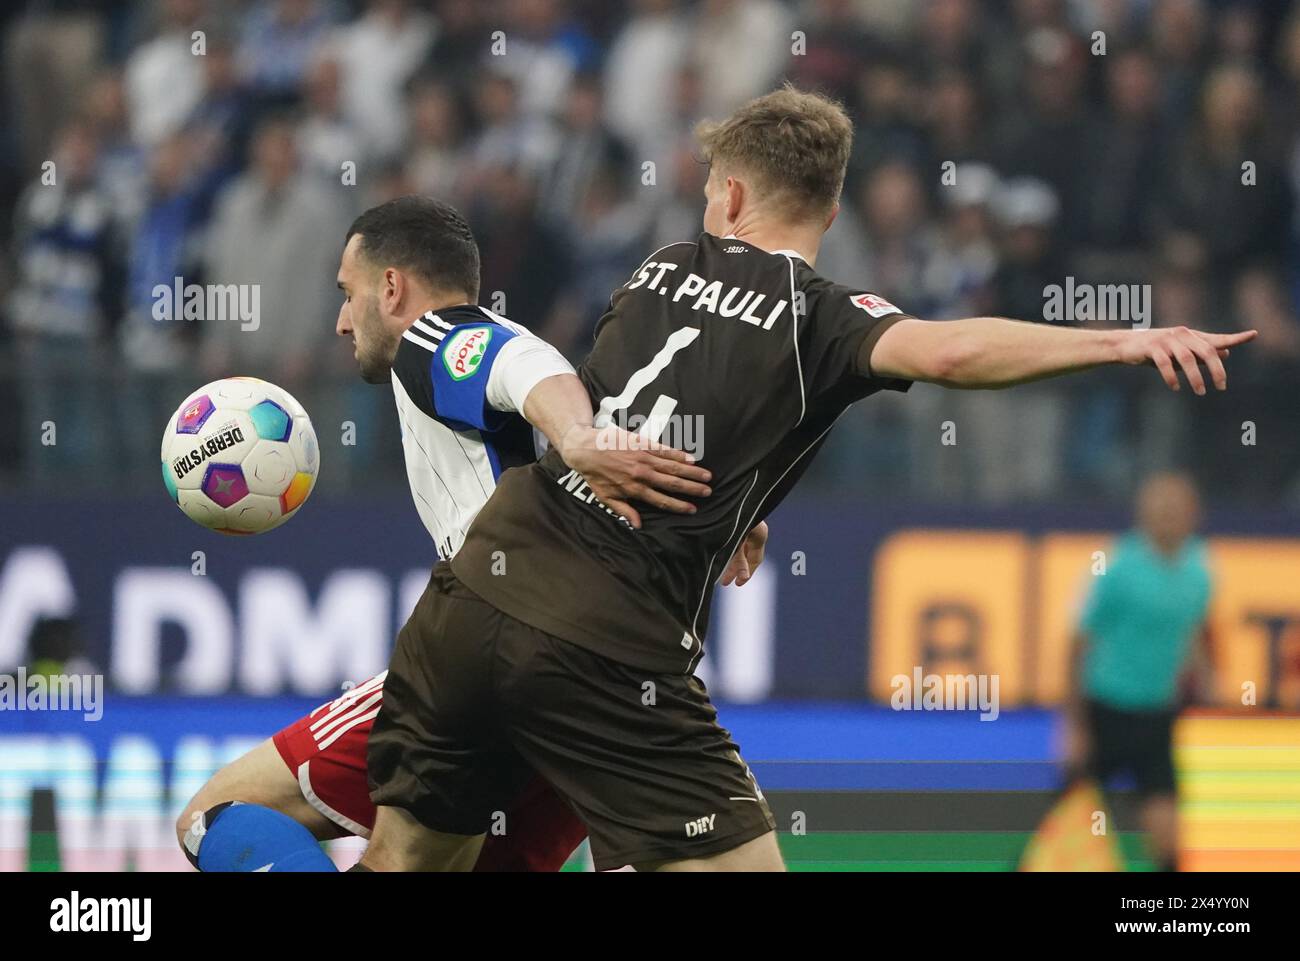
(476, 701)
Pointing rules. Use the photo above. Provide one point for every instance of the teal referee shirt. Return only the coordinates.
(1141, 619)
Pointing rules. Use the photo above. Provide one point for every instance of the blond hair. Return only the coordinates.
(793, 146)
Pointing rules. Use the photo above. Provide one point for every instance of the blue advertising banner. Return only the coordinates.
(849, 600)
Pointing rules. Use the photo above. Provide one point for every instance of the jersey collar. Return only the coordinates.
(787, 253)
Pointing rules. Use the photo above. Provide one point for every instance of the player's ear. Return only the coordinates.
(735, 199)
(835, 210)
(393, 290)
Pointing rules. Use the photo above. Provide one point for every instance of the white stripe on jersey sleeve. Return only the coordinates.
(430, 345)
(425, 328)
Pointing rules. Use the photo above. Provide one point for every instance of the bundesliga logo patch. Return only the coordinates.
(875, 306)
(462, 352)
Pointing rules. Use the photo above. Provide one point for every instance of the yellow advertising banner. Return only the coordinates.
(1006, 603)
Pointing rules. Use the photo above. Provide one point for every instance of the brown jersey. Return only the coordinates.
(746, 355)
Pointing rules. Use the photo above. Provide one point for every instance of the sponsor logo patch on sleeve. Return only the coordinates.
(875, 306)
(463, 350)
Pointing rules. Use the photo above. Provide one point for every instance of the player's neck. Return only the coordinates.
(433, 303)
(1165, 547)
(781, 238)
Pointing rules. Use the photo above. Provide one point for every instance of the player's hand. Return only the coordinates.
(747, 557)
(621, 467)
(1170, 349)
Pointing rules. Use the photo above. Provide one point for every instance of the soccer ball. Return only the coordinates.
(240, 456)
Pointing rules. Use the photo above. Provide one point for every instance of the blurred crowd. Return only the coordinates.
(1001, 147)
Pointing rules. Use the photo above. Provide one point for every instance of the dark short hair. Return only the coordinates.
(423, 235)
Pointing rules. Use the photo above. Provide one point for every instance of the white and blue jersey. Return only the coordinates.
(459, 431)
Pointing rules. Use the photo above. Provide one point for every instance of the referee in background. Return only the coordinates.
(1141, 634)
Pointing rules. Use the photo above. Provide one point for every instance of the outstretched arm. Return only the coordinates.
(990, 352)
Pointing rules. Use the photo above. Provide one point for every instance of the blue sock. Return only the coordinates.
(248, 837)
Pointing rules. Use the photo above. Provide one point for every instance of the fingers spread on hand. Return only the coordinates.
(667, 453)
(641, 442)
(679, 468)
(1187, 361)
(1210, 358)
(664, 477)
(661, 500)
(624, 510)
(1166, 368)
(737, 571)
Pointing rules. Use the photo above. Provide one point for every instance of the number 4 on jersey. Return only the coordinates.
(664, 405)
